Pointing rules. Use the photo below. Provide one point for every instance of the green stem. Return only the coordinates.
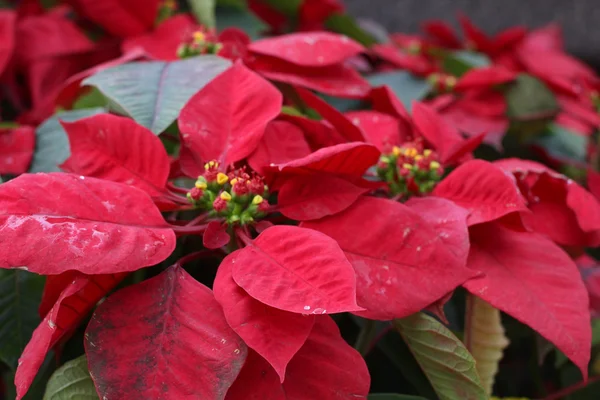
(365, 337)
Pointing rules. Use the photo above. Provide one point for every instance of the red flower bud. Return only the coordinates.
(219, 204)
(256, 185)
(196, 194)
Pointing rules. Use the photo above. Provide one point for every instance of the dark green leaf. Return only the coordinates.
(286, 7)
(204, 11)
(153, 93)
(94, 98)
(346, 25)
(442, 357)
(393, 396)
(71, 381)
(229, 17)
(564, 144)
(459, 62)
(20, 296)
(239, 4)
(405, 85)
(529, 98)
(52, 144)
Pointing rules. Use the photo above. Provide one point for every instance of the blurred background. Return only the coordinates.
(577, 17)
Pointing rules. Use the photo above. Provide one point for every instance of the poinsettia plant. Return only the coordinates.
(268, 200)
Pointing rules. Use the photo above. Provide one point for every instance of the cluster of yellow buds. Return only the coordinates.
(237, 196)
(442, 82)
(199, 42)
(410, 169)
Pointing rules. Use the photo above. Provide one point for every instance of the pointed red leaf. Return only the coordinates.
(54, 286)
(533, 280)
(336, 80)
(162, 43)
(406, 261)
(379, 129)
(385, 101)
(442, 33)
(281, 143)
(309, 49)
(117, 149)
(485, 77)
(475, 36)
(274, 334)
(86, 224)
(7, 37)
(16, 149)
(415, 63)
(297, 270)
(349, 131)
(548, 37)
(72, 305)
(593, 183)
(215, 236)
(226, 120)
(326, 367)
(484, 189)
(316, 196)
(122, 18)
(351, 159)
(163, 338)
(318, 134)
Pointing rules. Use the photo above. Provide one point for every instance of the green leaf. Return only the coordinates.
(564, 144)
(405, 85)
(528, 98)
(346, 25)
(94, 98)
(229, 17)
(204, 11)
(343, 105)
(394, 396)
(457, 63)
(239, 4)
(286, 7)
(153, 93)
(20, 296)
(72, 381)
(52, 144)
(442, 357)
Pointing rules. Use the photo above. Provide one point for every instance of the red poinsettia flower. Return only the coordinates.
(16, 149)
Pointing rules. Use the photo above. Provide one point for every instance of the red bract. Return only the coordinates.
(180, 344)
(525, 274)
(406, 262)
(88, 224)
(382, 130)
(226, 120)
(326, 367)
(484, 189)
(215, 236)
(98, 150)
(77, 297)
(479, 41)
(296, 270)
(275, 334)
(122, 18)
(7, 37)
(561, 209)
(16, 149)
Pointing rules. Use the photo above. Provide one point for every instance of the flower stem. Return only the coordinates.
(365, 337)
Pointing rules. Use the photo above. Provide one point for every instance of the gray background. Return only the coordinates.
(580, 19)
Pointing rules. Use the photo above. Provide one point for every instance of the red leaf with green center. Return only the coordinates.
(381, 130)
(87, 224)
(16, 149)
(484, 189)
(123, 18)
(303, 198)
(163, 338)
(326, 367)
(226, 120)
(7, 37)
(281, 143)
(117, 149)
(297, 270)
(73, 304)
(533, 280)
(406, 261)
(308, 49)
(335, 80)
(274, 334)
(215, 236)
(561, 208)
(343, 125)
